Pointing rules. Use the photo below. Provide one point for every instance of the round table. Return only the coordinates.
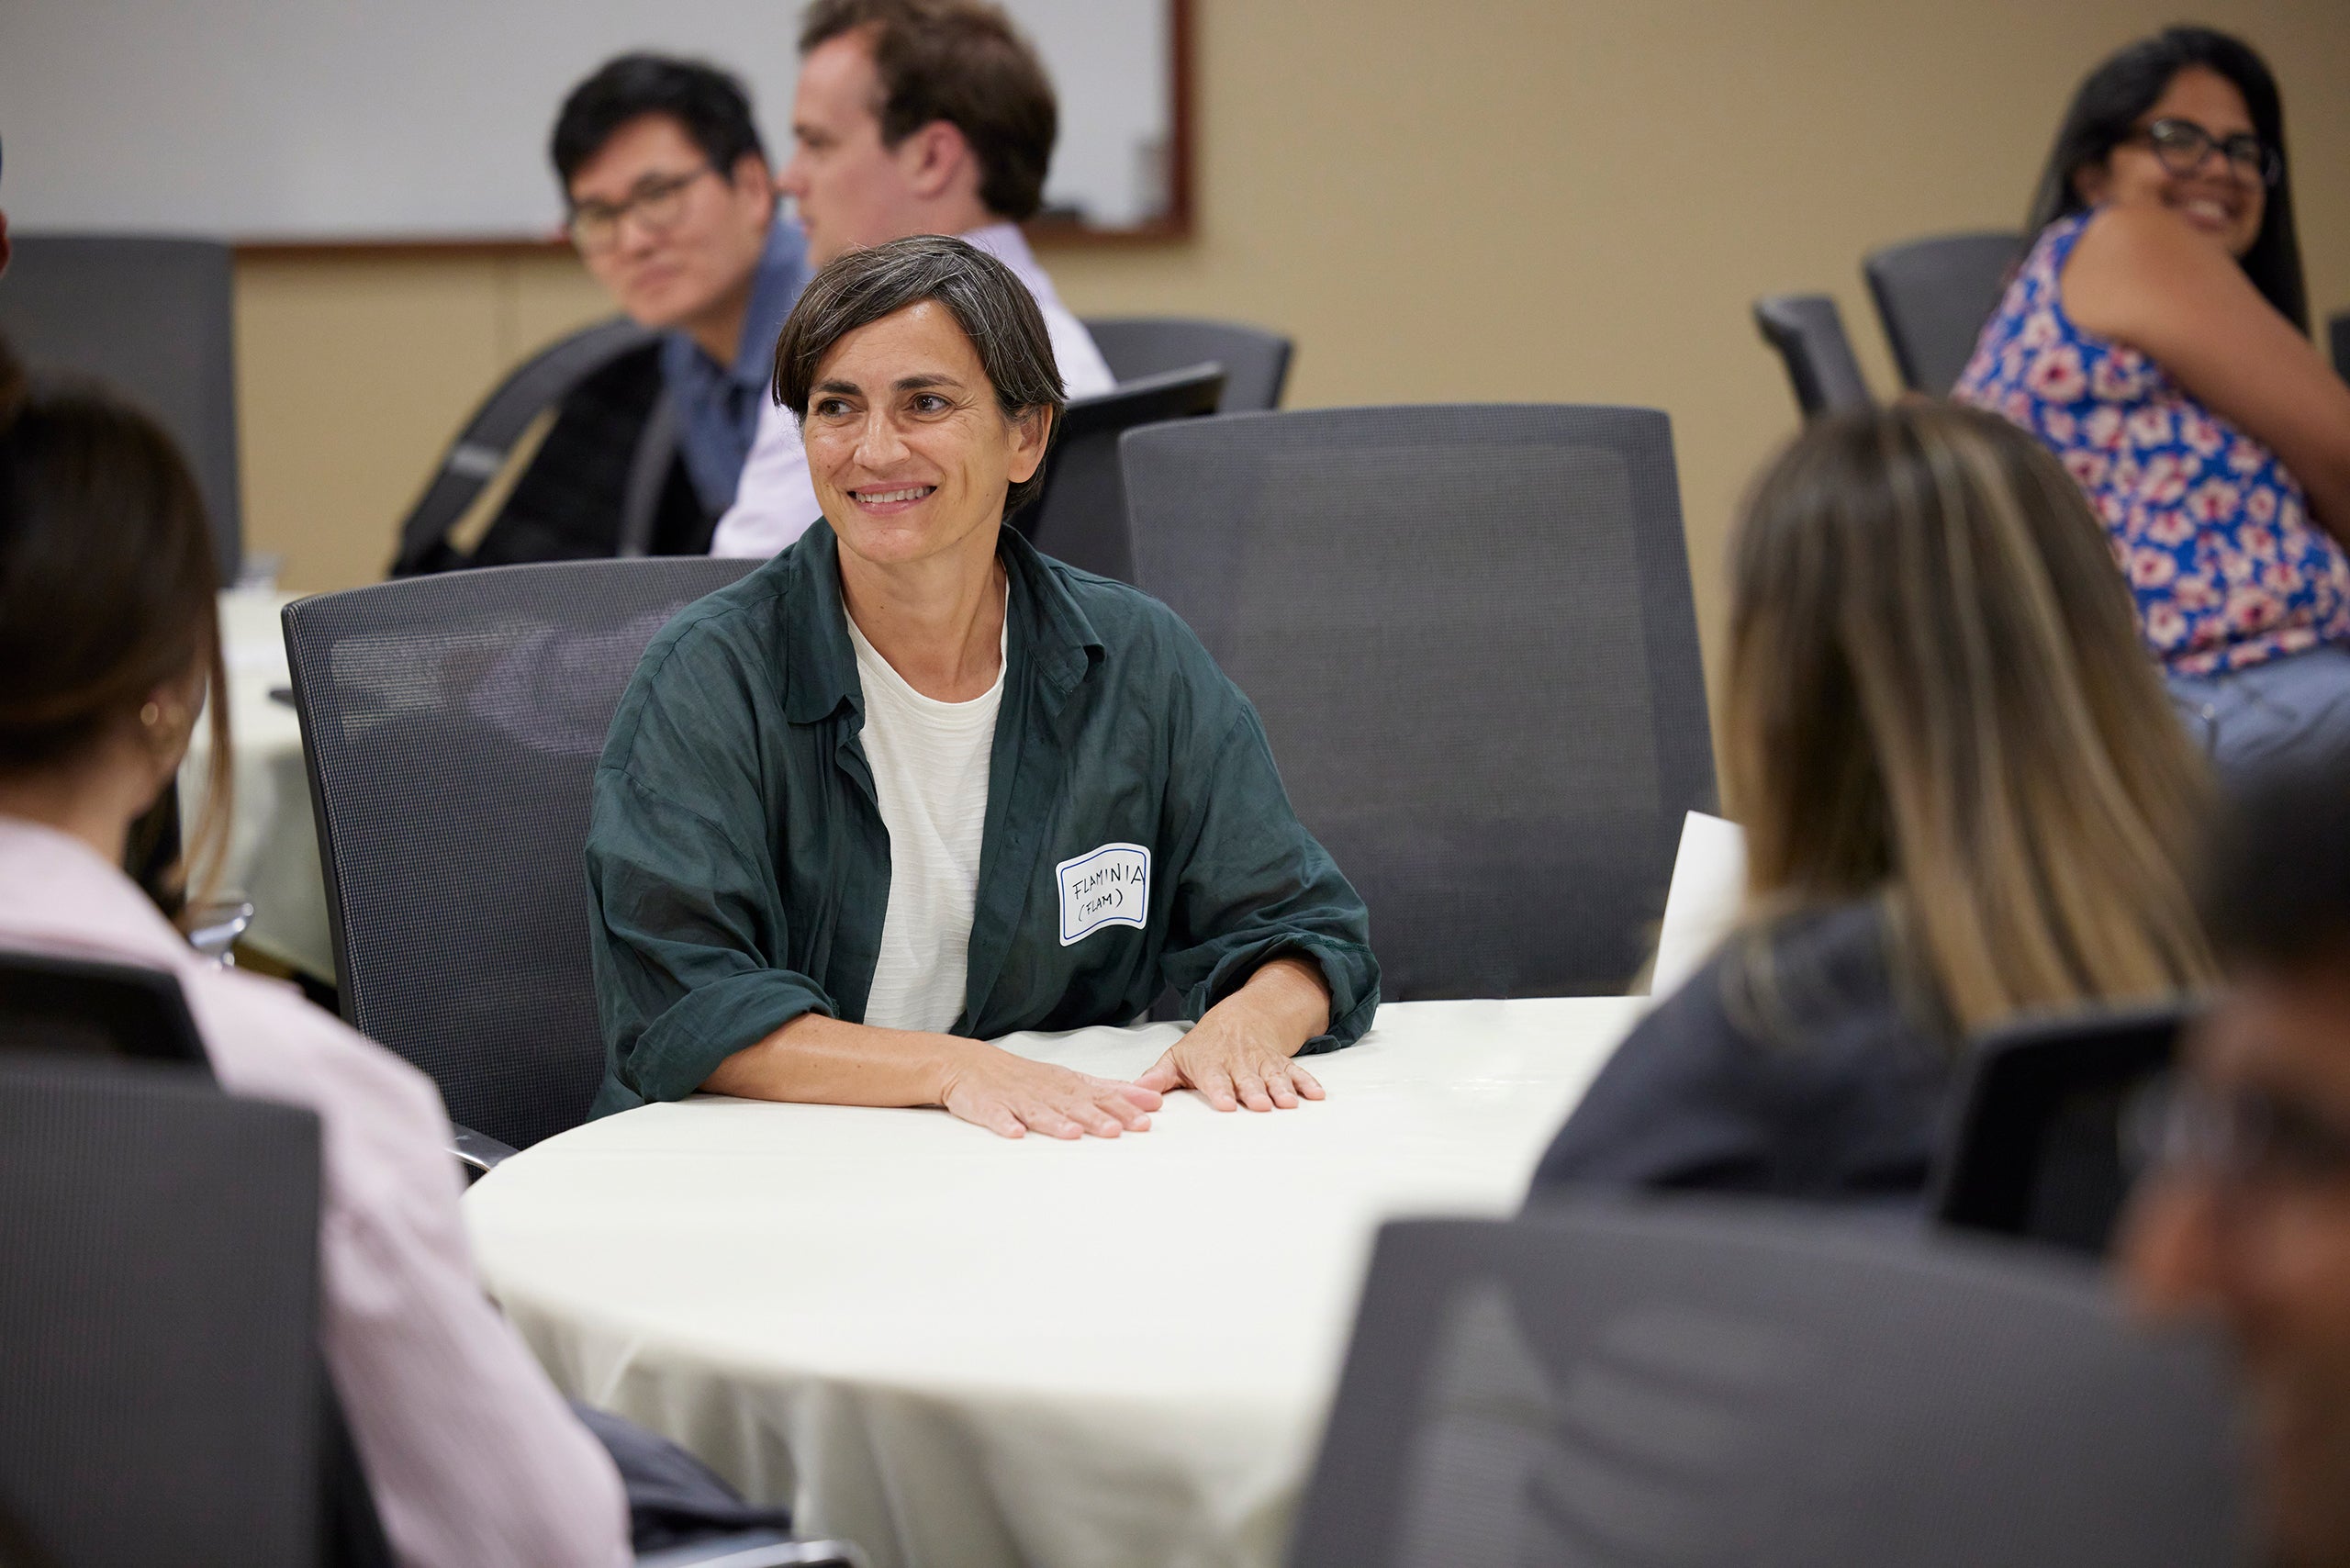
(961, 1349)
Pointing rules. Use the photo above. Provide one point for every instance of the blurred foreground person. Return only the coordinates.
(1965, 798)
(2247, 1218)
(2156, 339)
(108, 636)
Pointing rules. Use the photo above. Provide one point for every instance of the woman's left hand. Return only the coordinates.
(1242, 1052)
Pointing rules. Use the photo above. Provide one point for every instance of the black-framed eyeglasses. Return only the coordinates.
(657, 203)
(2182, 145)
(2240, 1137)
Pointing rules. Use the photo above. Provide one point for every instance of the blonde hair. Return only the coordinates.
(1937, 697)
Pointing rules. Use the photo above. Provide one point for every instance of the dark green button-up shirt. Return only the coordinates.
(740, 868)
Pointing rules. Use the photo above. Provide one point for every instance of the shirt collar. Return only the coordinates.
(775, 282)
(65, 895)
(1043, 623)
(1007, 245)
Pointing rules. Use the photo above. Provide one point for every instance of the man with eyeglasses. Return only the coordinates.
(673, 210)
(2247, 1217)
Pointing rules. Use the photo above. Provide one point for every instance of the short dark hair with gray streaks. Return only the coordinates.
(987, 299)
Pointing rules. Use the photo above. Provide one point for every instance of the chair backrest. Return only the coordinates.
(1255, 361)
(480, 450)
(2041, 1145)
(2338, 331)
(154, 318)
(74, 1007)
(1080, 516)
(1675, 1385)
(1808, 331)
(1933, 297)
(1468, 631)
(451, 725)
(157, 1319)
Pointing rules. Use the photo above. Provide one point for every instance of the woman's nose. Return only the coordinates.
(878, 443)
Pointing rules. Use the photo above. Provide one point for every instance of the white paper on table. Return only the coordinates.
(1709, 883)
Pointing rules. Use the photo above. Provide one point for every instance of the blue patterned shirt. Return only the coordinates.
(2213, 533)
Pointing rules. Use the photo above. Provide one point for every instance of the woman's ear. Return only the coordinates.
(1032, 431)
(167, 718)
(2090, 183)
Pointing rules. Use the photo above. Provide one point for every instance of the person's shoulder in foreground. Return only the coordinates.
(471, 1455)
(1791, 1065)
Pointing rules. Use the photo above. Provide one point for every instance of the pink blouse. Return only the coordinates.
(475, 1460)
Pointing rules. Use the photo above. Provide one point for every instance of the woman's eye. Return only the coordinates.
(830, 407)
(929, 403)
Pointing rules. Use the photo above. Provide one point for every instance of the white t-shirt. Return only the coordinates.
(929, 773)
(775, 500)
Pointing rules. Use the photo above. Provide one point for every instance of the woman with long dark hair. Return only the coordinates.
(2155, 338)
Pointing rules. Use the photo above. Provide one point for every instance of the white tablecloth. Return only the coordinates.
(959, 1349)
(272, 842)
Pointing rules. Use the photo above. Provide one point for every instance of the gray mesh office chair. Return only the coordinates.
(1255, 361)
(1807, 330)
(1690, 1387)
(158, 1318)
(158, 1342)
(154, 318)
(2338, 332)
(451, 725)
(1469, 634)
(1933, 297)
(1080, 516)
(480, 450)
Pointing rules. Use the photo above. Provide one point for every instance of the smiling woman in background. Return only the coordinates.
(1964, 798)
(2155, 338)
(911, 786)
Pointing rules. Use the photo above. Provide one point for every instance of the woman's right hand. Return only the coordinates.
(1011, 1096)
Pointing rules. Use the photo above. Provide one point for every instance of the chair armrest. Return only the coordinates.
(476, 1151)
(759, 1548)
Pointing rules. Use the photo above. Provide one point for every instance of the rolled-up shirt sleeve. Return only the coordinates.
(690, 937)
(1254, 885)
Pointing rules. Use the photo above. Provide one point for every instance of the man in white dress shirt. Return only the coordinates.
(912, 116)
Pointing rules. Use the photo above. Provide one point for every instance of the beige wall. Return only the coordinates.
(1506, 199)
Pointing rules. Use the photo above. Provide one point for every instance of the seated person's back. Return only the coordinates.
(1965, 796)
(108, 628)
(2155, 338)
(911, 786)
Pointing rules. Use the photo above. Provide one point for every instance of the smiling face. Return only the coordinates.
(674, 268)
(909, 454)
(2216, 198)
(2266, 1249)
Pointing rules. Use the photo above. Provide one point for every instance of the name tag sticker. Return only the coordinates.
(1109, 886)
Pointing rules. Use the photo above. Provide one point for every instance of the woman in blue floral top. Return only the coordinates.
(2156, 338)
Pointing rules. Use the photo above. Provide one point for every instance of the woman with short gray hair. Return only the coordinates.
(911, 786)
